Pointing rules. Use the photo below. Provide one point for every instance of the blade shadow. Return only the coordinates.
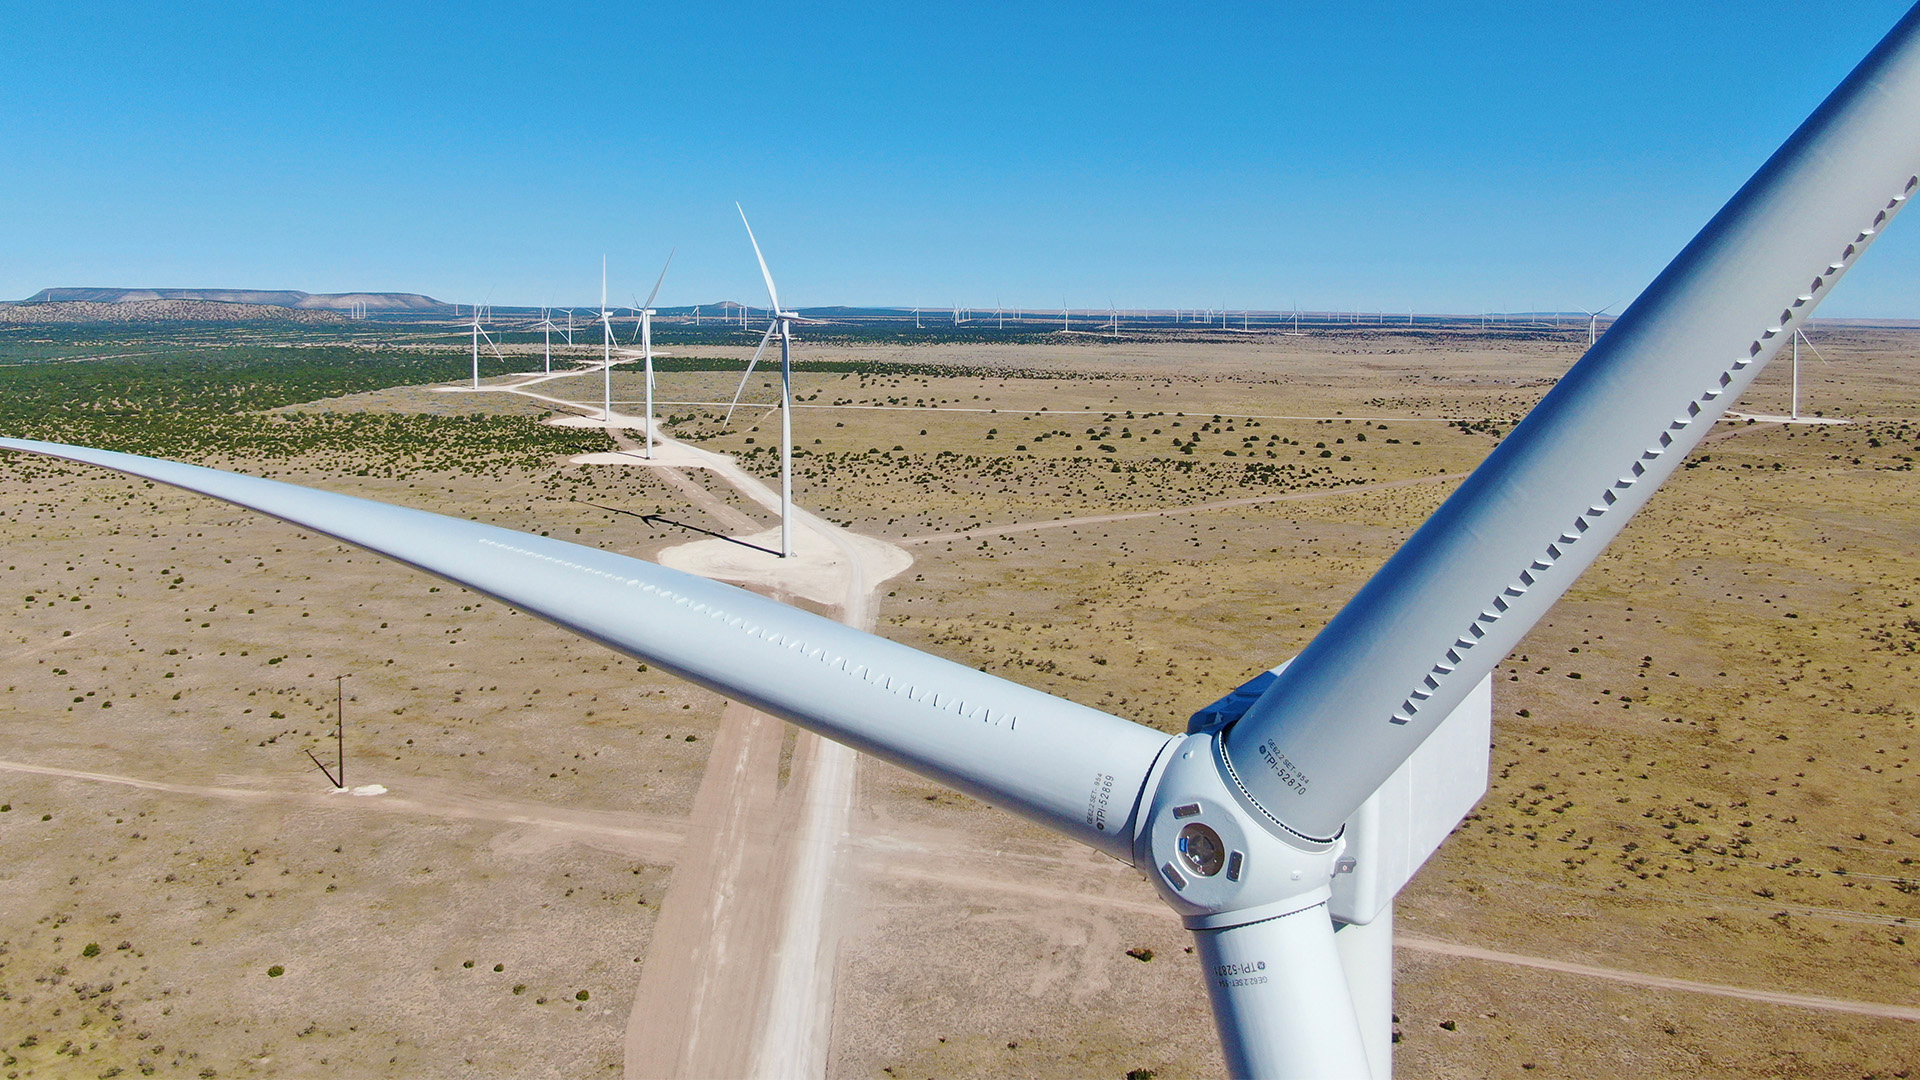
(664, 520)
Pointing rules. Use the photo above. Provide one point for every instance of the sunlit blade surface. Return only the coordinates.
(764, 338)
(1026, 751)
(772, 294)
(1464, 589)
(1280, 999)
(663, 277)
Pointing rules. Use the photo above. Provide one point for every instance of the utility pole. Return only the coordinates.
(338, 774)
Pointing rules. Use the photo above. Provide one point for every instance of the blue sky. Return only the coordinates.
(1446, 157)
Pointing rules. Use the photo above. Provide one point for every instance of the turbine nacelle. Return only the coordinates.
(1283, 822)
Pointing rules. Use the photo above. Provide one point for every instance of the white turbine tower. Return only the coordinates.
(644, 331)
(1793, 407)
(547, 328)
(1281, 825)
(782, 324)
(606, 349)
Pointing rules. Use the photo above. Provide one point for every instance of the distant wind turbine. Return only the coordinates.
(479, 333)
(1798, 337)
(1593, 323)
(782, 324)
(645, 333)
(606, 349)
(547, 328)
(1283, 823)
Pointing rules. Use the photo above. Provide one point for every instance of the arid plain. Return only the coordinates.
(1701, 757)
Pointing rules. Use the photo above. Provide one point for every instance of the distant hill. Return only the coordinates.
(287, 298)
(61, 312)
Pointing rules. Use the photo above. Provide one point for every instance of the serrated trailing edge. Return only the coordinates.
(1430, 684)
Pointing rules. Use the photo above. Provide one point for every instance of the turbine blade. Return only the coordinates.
(1464, 589)
(764, 272)
(764, 338)
(1809, 344)
(1007, 744)
(663, 272)
(1280, 998)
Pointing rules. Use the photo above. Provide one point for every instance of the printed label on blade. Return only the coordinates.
(1288, 773)
(1240, 974)
(1097, 801)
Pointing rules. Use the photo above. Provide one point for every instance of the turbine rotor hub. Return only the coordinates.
(1212, 859)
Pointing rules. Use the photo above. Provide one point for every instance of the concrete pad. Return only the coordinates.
(821, 568)
(665, 454)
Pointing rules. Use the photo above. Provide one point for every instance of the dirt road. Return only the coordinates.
(739, 978)
(640, 835)
(1657, 982)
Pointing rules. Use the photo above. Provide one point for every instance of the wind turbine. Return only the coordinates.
(1800, 336)
(1283, 822)
(783, 324)
(547, 328)
(1593, 324)
(480, 334)
(644, 331)
(606, 349)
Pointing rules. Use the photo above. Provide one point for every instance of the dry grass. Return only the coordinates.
(1722, 794)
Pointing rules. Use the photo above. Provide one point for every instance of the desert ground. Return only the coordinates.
(1697, 858)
